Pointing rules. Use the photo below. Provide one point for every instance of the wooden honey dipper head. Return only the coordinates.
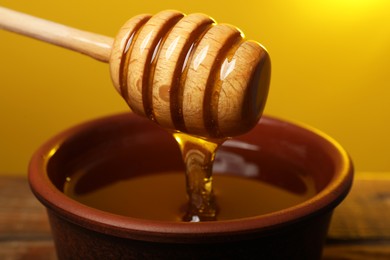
(188, 73)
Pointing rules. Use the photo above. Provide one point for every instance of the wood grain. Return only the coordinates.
(94, 45)
(239, 104)
(202, 74)
(24, 227)
(141, 60)
(357, 251)
(121, 47)
(365, 213)
(167, 78)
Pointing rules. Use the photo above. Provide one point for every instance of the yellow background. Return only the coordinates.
(331, 62)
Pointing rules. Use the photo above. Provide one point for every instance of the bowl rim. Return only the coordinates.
(154, 230)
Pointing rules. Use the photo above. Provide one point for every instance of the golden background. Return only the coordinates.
(331, 70)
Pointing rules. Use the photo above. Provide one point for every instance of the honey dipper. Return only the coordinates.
(184, 72)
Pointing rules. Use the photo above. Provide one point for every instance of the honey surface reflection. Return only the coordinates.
(163, 196)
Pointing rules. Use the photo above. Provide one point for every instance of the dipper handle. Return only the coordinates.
(186, 73)
(94, 45)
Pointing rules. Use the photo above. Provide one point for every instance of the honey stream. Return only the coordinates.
(198, 156)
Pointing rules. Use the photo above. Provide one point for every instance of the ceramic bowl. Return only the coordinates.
(296, 232)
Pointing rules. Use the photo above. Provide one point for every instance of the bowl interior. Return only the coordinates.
(278, 153)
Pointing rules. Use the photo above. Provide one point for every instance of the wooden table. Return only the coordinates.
(360, 227)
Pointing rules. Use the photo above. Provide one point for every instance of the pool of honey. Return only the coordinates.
(242, 187)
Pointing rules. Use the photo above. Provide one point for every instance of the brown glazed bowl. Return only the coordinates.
(82, 232)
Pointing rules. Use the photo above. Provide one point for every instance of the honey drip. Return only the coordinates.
(198, 155)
